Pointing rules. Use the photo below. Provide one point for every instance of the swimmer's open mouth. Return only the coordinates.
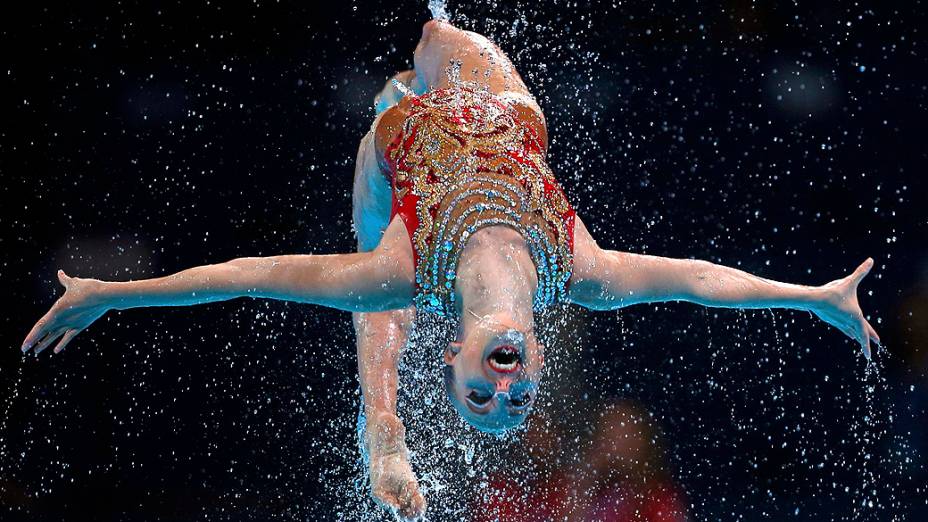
(504, 359)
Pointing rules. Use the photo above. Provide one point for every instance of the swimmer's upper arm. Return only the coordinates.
(370, 195)
(594, 283)
(366, 162)
(364, 281)
(608, 279)
(616, 279)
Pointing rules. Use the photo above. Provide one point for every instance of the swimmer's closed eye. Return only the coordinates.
(479, 398)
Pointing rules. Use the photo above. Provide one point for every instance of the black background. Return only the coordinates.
(137, 139)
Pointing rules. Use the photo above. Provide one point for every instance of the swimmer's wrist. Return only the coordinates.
(799, 297)
(112, 295)
(98, 293)
(385, 434)
(122, 295)
(816, 297)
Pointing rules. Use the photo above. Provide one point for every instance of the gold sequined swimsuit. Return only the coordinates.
(464, 160)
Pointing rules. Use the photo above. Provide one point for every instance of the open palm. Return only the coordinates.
(841, 309)
(71, 314)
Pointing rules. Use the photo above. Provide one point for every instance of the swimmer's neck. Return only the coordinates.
(496, 279)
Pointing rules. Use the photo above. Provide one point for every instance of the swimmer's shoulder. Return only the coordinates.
(529, 112)
(388, 124)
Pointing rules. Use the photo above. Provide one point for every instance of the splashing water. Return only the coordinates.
(439, 9)
(400, 86)
(4, 446)
(764, 414)
(456, 463)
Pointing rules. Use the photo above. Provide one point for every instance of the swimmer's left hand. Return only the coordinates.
(393, 483)
(838, 307)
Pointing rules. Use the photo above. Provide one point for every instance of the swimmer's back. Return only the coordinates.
(390, 122)
(480, 62)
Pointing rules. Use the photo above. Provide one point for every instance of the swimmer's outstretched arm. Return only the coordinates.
(607, 279)
(369, 281)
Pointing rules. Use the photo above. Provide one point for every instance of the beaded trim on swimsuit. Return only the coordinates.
(464, 161)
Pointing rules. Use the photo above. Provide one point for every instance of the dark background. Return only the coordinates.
(137, 139)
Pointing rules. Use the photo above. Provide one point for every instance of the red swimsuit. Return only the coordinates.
(464, 160)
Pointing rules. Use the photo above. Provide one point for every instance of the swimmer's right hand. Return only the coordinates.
(81, 305)
(393, 483)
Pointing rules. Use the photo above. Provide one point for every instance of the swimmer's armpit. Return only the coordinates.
(392, 92)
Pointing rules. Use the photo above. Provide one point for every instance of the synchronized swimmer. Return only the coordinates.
(457, 214)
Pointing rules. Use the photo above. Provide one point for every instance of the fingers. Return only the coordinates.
(64, 279)
(855, 326)
(401, 497)
(871, 332)
(389, 501)
(841, 323)
(385, 498)
(863, 337)
(848, 331)
(409, 503)
(43, 325)
(65, 339)
(865, 334)
(412, 503)
(49, 339)
(863, 269)
(859, 331)
(38, 332)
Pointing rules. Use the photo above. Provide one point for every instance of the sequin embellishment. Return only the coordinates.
(464, 161)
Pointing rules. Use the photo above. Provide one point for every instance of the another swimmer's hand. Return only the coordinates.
(81, 304)
(838, 307)
(393, 483)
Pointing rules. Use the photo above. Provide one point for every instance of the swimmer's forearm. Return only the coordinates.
(381, 337)
(340, 281)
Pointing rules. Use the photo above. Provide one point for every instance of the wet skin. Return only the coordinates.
(495, 284)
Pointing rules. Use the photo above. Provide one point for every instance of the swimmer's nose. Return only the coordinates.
(502, 385)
